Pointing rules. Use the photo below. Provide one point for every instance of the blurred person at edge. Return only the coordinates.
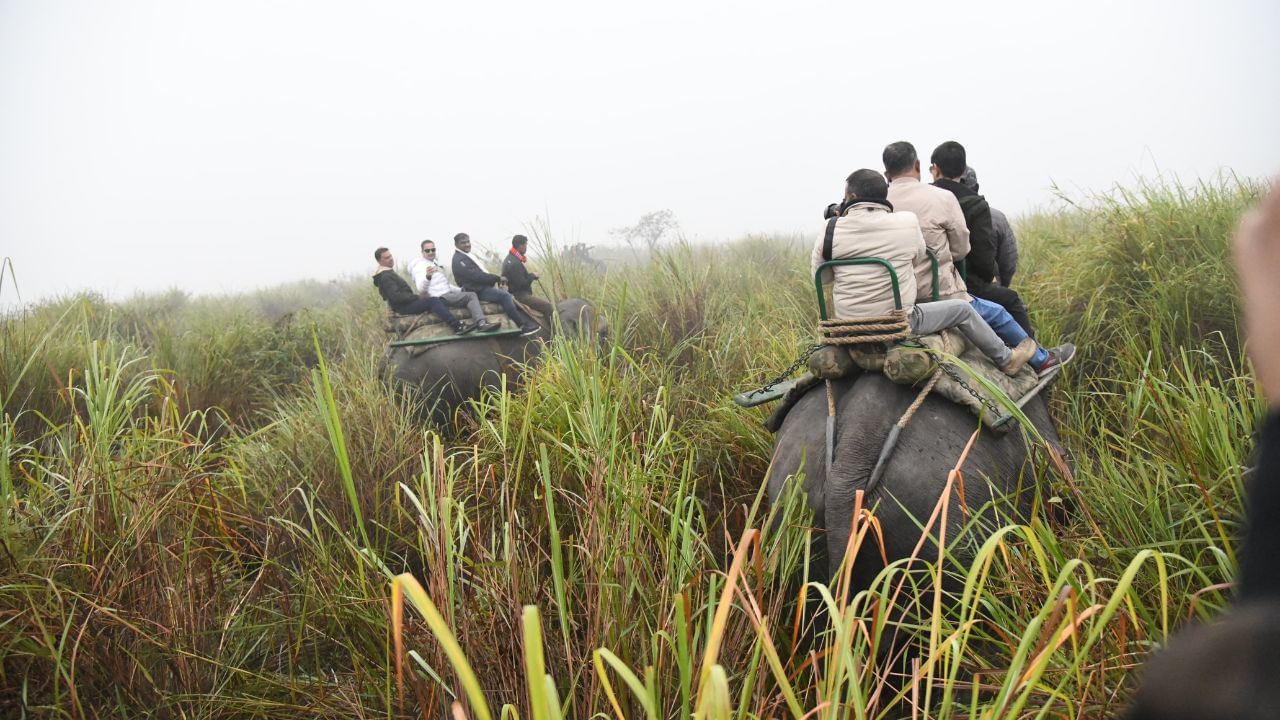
(1230, 669)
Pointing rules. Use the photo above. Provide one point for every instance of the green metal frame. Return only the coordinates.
(452, 338)
(817, 279)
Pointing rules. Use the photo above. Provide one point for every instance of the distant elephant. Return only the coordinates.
(867, 406)
(451, 373)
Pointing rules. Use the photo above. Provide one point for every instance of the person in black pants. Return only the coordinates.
(948, 164)
(1231, 668)
(404, 301)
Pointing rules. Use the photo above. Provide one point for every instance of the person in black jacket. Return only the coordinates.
(404, 301)
(520, 280)
(948, 165)
(470, 276)
(1231, 668)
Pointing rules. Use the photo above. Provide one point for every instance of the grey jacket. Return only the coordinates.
(1006, 247)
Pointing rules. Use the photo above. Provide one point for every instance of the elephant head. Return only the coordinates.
(915, 476)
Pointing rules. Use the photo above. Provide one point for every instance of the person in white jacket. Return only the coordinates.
(867, 226)
(430, 280)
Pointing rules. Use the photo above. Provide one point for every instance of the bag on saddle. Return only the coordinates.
(910, 364)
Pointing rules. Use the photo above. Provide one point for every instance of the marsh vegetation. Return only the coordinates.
(204, 502)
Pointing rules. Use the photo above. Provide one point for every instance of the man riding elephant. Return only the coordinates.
(474, 278)
(401, 298)
(868, 405)
(520, 280)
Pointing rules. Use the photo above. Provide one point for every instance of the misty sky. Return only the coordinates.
(222, 146)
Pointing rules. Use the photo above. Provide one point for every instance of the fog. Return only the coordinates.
(226, 146)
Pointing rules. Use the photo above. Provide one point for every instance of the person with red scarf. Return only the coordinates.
(520, 280)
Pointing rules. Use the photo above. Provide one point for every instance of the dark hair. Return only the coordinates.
(377, 254)
(867, 185)
(423, 245)
(519, 240)
(460, 237)
(898, 158)
(950, 159)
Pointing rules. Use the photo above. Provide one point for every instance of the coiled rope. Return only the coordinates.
(858, 331)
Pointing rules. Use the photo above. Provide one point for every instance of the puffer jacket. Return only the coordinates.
(871, 229)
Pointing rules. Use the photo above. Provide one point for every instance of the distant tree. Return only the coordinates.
(650, 229)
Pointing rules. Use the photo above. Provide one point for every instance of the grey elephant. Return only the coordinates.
(449, 374)
(916, 473)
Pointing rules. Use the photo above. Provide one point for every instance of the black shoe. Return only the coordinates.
(462, 328)
(487, 326)
(530, 330)
(1058, 356)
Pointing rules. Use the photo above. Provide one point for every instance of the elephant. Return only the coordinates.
(867, 406)
(449, 374)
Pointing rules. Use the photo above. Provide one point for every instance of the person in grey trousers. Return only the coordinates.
(867, 226)
(431, 281)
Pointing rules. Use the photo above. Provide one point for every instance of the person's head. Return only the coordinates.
(383, 256)
(520, 243)
(462, 241)
(865, 184)
(900, 159)
(428, 249)
(969, 179)
(948, 160)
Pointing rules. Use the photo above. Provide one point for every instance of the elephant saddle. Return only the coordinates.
(970, 379)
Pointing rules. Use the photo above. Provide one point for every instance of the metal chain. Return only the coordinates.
(803, 359)
(955, 376)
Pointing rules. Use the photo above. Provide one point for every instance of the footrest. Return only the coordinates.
(1022, 401)
(760, 397)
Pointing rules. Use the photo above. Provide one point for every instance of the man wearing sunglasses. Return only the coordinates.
(430, 280)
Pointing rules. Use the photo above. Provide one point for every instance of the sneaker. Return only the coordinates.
(1058, 357)
(1019, 356)
(531, 330)
(462, 328)
(487, 326)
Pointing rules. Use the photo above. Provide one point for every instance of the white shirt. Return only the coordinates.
(437, 285)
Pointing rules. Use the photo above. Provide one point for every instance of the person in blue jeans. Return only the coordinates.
(472, 277)
(1012, 333)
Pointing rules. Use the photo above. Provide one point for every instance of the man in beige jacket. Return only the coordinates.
(941, 222)
(945, 233)
(867, 226)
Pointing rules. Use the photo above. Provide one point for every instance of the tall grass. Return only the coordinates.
(202, 519)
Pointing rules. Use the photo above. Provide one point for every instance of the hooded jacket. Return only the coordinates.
(981, 262)
(393, 288)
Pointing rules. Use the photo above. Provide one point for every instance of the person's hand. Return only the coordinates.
(1257, 254)
(533, 276)
(431, 270)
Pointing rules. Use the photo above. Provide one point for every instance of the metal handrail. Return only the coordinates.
(817, 279)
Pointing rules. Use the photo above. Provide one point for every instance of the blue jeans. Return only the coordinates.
(433, 305)
(1006, 327)
(508, 303)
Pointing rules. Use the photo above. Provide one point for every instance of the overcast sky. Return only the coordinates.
(221, 146)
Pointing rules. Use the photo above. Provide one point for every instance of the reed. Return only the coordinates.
(216, 508)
